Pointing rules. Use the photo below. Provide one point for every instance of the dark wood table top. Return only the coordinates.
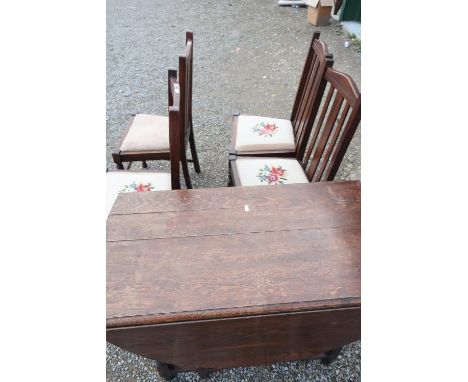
(229, 252)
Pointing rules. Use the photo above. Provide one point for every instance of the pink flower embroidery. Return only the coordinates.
(137, 187)
(265, 129)
(272, 175)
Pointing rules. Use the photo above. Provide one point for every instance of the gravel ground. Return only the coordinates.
(248, 58)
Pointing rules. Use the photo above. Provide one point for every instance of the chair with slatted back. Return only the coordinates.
(119, 181)
(266, 136)
(147, 136)
(325, 145)
(186, 82)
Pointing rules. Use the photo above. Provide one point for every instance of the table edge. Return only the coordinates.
(237, 312)
(182, 192)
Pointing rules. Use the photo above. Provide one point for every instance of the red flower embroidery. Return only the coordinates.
(137, 187)
(143, 187)
(266, 129)
(273, 175)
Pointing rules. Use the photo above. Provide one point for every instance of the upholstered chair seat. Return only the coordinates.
(269, 171)
(147, 133)
(135, 181)
(256, 133)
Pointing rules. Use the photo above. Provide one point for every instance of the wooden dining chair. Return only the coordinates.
(147, 136)
(325, 147)
(121, 181)
(267, 136)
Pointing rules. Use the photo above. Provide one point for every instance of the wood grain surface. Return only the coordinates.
(323, 196)
(199, 254)
(243, 341)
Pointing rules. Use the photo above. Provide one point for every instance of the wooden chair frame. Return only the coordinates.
(186, 86)
(175, 128)
(174, 135)
(328, 140)
(306, 104)
(186, 136)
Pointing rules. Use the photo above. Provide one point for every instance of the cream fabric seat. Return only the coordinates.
(269, 171)
(256, 133)
(147, 133)
(131, 181)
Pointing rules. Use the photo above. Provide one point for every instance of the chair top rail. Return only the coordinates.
(344, 85)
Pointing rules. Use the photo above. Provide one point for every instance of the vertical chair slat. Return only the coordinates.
(349, 119)
(305, 71)
(300, 102)
(185, 81)
(344, 141)
(315, 96)
(332, 142)
(189, 126)
(305, 159)
(319, 90)
(299, 112)
(335, 108)
(175, 127)
(307, 99)
(189, 37)
(174, 141)
(313, 91)
(183, 93)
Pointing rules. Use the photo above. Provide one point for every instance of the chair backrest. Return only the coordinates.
(185, 81)
(176, 126)
(332, 133)
(310, 91)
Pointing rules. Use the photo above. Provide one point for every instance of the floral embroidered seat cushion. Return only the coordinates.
(269, 171)
(131, 181)
(255, 133)
(147, 133)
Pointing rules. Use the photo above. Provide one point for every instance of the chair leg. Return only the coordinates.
(185, 170)
(117, 161)
(144, 164)
(231, 182)
(193, 150)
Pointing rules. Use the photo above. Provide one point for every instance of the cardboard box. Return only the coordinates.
(319, 11)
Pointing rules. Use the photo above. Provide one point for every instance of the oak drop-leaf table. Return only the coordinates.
(225, 277)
